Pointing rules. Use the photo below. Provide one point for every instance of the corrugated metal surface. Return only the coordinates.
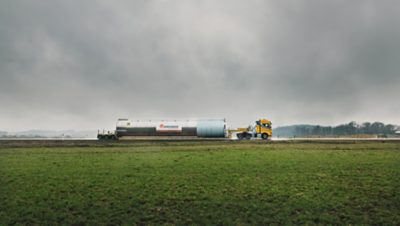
(211, 128)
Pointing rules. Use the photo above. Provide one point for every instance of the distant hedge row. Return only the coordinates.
(351, 128)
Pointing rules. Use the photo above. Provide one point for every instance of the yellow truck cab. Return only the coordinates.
(262, 129)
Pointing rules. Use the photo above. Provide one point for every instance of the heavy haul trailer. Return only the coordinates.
(203, 128)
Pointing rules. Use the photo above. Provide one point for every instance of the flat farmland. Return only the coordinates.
(201, 183)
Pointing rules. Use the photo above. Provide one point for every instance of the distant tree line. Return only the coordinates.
(352, 128)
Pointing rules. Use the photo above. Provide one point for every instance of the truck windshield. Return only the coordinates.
(267, 125)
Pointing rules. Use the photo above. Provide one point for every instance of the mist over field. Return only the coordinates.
(81, 65)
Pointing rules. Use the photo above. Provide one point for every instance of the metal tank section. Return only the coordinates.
(200, 128)
(211, 128)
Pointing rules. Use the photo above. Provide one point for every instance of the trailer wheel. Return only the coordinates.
(239, 136)
(264, 136)
(248, 136)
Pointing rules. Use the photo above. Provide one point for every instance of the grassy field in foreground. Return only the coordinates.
(193, 183)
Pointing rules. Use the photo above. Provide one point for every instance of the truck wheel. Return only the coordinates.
(239, 136)
(248, 136)
(264, 136)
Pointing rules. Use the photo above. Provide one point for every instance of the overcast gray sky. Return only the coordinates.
(82, 64)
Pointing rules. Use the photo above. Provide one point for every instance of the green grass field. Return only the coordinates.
(211, 183)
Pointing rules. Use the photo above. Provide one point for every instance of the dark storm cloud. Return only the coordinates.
(74, 64)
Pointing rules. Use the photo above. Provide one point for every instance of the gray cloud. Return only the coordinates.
(81, 65)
